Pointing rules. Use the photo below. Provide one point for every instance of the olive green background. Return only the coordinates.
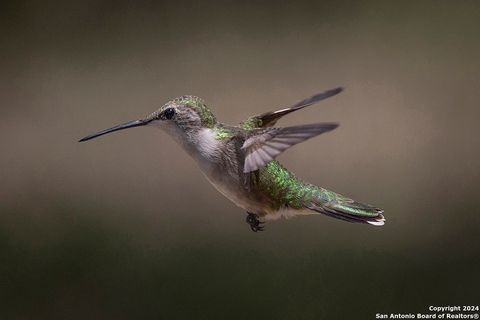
(126, 227)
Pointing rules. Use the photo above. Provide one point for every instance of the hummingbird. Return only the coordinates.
(239, 161)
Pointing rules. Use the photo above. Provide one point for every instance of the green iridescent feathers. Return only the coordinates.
(278, 183)
(198, 105)
(222, 132)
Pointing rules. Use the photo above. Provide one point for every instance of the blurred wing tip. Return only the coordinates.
(331, 92)
(324, 126)
(337, 90)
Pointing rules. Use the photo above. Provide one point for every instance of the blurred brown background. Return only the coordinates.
(126, 227)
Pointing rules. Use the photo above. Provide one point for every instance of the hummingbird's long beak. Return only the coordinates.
(126, 125)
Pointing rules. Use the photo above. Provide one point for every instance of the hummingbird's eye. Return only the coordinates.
(169, 113)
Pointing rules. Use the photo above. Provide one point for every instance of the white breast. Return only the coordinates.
(209, 153)
(207, 144)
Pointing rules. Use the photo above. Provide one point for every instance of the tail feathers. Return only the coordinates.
(351, 211)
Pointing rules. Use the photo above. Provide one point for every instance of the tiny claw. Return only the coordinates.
(255, 224)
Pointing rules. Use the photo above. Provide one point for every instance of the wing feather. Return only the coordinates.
(265, 145)
(269, 119)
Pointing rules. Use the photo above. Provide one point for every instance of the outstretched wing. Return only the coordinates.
(266, 145)
(268, 119)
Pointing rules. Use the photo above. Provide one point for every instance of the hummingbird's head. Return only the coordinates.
(185, 113)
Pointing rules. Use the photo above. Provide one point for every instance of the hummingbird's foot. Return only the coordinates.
(255, 224)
